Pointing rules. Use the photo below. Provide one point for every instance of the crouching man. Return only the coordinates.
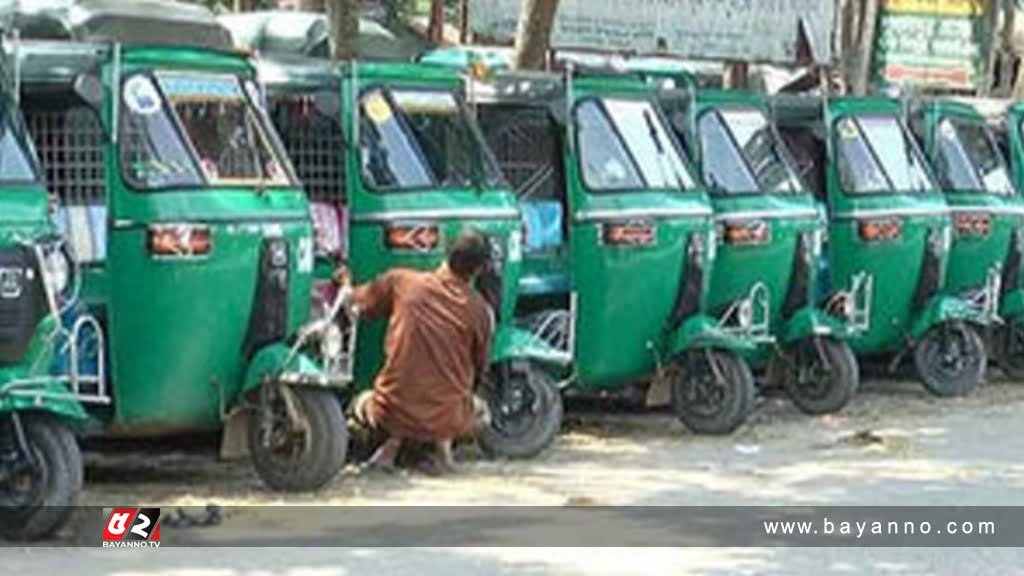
(437, 344)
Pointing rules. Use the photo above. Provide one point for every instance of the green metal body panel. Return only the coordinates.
(895, 265)
(511, 343)
(739, 267)
(944, 309)
(1012, 302)
(625, 294)
(491, 211)
(271, 360)
(176, 327)
(972, 256)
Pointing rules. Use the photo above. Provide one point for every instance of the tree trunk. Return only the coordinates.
(435, 30)
(343, 16)
(860, 44)
(312, 5)
(533, 35)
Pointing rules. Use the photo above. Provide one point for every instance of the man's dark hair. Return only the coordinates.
(469, 254)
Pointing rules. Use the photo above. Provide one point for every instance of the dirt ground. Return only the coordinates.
(894, 445)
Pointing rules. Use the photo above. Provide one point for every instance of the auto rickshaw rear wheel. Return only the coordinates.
(1009, 347)
(526, 411)
(37, 498)
(951, 359)
(712, 390)
(297, 437)
(821, 375)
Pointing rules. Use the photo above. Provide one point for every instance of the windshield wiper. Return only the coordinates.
(652, 129)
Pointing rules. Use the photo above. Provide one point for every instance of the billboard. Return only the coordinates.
(932, 43)
(749, 30)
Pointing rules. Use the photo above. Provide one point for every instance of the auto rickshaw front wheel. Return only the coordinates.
(712, 390)
(297, 437)
(951, 359)
(821, 375)
(526, 411)
(41, 486)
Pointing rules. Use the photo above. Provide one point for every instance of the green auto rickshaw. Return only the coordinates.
(889, 220)
(619, 245)
(194, 239)
(771, 232)
(988, 216)
(40, 391)
(1010, 339)
(395, 167)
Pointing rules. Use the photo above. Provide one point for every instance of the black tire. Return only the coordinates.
(951, 359)
(1010, 349)
(526, 412)
(50, 489)
(822, 375)
(289, 460)
(707, 404)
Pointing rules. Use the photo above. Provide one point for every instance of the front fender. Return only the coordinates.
(944, 309)
(269, 363)
(511, 343)
(52, 398)
(809, 322)
(704, 332)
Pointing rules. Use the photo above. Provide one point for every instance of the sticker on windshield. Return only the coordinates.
(848, 129)
(377, 108)
(141, 96)
(947, 130)
(200, 86)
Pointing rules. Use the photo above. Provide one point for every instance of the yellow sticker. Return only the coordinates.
(377, 108)
(847, 129)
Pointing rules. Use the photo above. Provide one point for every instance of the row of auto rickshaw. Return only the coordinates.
(172, 210)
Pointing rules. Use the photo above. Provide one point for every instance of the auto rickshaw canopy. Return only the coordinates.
(151, 22)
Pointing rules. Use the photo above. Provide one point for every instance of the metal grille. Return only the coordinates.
(316, 146)
(70, 146)
(523, 143)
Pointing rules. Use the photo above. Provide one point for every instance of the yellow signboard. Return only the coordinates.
(936, 7)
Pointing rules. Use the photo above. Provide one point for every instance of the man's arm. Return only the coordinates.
(376, 298)
(484, 331)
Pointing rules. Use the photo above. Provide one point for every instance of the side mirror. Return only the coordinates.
(89, 88)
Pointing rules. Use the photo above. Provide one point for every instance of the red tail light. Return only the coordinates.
(412, 237)
(179, 240)
(631, 233)
(751, 232)
(972, 224)
(880, 230)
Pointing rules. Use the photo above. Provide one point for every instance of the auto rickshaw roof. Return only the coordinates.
(801, 109)
(732, 97)
(298, 73)
(298, 33)
(140, 22)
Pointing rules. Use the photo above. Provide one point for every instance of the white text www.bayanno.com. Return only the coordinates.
(860, 529)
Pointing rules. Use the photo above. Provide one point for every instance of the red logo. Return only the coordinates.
(131, 525)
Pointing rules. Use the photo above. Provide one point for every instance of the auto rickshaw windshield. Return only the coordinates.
(624, 144)
(419, 139)
(197, 130)
(876, 155)
(969, 160)
(742, 154)
(17, 164)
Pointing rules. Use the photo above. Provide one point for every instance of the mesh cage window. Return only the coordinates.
(316, 145)
(524, 141)
(69, 142)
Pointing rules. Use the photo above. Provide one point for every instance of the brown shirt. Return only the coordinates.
(438, 341)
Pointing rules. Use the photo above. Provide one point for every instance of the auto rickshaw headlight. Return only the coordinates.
(331, 341)
(57, 270)
(745, 314)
